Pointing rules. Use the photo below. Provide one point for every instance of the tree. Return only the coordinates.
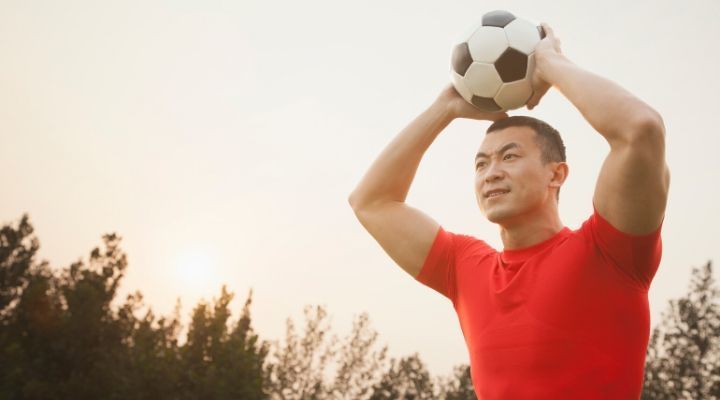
(219, 363)
(406, 379)
(683, 357)
(17, 250)
(300, 367)
(359, 366)
(459, 386)
(59, 334)
(61, 337)
(297, 368)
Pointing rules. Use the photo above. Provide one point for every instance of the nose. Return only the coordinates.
(493, 173)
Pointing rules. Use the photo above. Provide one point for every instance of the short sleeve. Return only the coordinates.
(636, 256)
(439, 271)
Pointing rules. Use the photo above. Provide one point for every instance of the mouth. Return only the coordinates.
(496, 193)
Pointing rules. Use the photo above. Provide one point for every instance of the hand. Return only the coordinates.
(458, 107)
(548, 47)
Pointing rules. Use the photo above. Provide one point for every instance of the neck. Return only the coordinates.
(531, 230)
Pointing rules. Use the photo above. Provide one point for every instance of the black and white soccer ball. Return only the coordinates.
(492, 66)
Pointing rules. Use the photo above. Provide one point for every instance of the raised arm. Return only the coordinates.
(632, 188)
(405, 233)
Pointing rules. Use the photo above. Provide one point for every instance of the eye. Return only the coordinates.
(480, 164)
(509, 155)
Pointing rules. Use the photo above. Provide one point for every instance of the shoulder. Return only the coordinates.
(455, 247)
(598, 229)
(469, 243)
(637, 256)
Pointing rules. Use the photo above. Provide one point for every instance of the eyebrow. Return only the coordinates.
(503, 149)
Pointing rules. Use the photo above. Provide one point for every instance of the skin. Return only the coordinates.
(512, 160)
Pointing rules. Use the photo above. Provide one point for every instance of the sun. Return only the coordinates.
(196, 274)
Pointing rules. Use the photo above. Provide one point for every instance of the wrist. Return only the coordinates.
(443, 108)
(546, 63)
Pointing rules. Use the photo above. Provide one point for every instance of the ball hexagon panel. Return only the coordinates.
(460, 86)
(482, 79)
(498, 18)
(512, 65)
(522, 35)
(461, 58)
(514, 94)
(487, 44)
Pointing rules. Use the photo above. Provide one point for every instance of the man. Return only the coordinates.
(558, 313)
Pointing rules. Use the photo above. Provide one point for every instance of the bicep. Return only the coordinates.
(632, 188)
(405, 233)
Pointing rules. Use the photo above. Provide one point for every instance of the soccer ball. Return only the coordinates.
(492, 66)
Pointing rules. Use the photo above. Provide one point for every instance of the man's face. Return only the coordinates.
(511, 183)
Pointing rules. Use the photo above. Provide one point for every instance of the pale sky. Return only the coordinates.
(227, 135)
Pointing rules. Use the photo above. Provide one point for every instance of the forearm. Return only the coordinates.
(611, 110)
(391, 174)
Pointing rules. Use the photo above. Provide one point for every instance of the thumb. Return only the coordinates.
(496, 116)
(536, 96)
(547, 29)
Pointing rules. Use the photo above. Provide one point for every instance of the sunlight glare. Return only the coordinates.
(195, 273)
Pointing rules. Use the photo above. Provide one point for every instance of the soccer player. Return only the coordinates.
(558, 313)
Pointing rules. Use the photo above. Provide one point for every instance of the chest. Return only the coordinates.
(570, 290)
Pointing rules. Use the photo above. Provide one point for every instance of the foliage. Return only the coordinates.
(62, 335)
(299, 369)
(459, 386)
(61, 338)
(407, 379)
(683, 357)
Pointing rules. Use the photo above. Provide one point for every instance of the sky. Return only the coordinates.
(221, 139)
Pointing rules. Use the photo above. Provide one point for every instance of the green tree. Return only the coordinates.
(302, 367)
(59, 334)
(17, 249)
(359, 366)
(153, 351)
(406, 379)
(296, 370)
(219, 362)
(61, 338)
(683, 357)
(459, 386)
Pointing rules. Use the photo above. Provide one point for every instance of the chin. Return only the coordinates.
(497, 215)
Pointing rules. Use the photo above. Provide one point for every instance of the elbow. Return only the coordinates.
(355, 201)
(649, 125)
(351, 200)
(648, 131)
(361, 202)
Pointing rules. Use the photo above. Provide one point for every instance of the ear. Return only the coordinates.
(560, 171)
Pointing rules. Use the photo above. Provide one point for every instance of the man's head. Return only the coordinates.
(523, 159)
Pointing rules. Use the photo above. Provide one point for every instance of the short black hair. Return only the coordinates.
(547, 138)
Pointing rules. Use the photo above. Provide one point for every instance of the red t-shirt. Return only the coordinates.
(567, 318)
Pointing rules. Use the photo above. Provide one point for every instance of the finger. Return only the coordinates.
(498, 116)
(533, 101)
(490, 116)
(535, 98)
(541, 31)
(548, 30)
